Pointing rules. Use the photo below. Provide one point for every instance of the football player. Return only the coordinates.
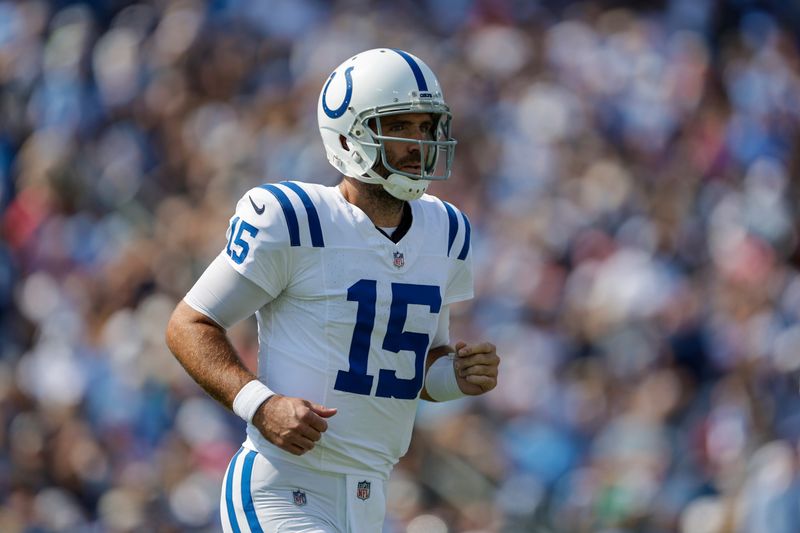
(351, 286)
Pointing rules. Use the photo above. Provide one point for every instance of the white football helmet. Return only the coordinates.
(371, 85)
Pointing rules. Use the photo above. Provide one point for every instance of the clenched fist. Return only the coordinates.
(476, 367)
(292, 424)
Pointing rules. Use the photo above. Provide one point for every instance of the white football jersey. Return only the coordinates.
(354, 313)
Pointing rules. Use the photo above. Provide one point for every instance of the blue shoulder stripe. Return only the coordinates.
(288, 212)
(465, 248)
(229, 494)
(247, 495)
(451, 215)
(314, 225)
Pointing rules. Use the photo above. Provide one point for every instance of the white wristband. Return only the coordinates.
(441, 382)
(249, 399)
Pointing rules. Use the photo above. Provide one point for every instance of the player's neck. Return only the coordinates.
(383, 209)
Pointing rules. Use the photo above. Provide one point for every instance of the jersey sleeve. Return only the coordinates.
(258, 242)
(459, 249)
(460, 285)
(224, 295)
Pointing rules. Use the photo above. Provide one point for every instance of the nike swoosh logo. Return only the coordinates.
(259, 210)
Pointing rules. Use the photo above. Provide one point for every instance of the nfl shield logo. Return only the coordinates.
(363, 490)
(299, 497)
(399, 260)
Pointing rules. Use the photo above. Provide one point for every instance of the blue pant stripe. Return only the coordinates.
(465, 248)
(314, 225)
(288, 212)
(229, 494)
(247, 496)
(451, 215)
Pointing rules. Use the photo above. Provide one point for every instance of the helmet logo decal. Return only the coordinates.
(339, 111)
(421, 83)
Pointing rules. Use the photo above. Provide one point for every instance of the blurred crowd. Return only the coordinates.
(630, 170)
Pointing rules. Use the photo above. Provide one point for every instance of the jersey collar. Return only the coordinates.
(403, 227)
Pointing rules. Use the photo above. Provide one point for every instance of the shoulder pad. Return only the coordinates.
(459, 230)
(299, 212)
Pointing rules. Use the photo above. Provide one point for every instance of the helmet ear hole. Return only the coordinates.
(343, 142)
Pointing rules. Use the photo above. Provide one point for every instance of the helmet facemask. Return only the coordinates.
(435, 154)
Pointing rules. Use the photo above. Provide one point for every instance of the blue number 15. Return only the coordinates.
(356, 379)
(238, 227)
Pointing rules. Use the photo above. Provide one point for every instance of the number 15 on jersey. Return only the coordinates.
(356, 379)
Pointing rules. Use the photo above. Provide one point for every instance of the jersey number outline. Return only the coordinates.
(238, 240)
(356, 379)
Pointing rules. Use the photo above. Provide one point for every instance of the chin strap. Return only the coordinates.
(399, 186)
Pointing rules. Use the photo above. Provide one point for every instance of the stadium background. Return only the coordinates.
(630, 169)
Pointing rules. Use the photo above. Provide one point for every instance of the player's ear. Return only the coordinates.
(343, 142)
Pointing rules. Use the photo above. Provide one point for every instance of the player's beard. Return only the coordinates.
(378, 198)
(377, 194)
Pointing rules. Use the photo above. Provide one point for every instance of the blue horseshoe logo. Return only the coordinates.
(339, 111)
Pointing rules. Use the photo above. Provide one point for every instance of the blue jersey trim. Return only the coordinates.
(229, 494)
(421, 83)
(314, 225)
(288, 212)
(247, 496)
(465, 248)
(451, 215)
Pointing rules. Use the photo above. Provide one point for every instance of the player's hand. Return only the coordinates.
(292, 424)
(476, 367)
